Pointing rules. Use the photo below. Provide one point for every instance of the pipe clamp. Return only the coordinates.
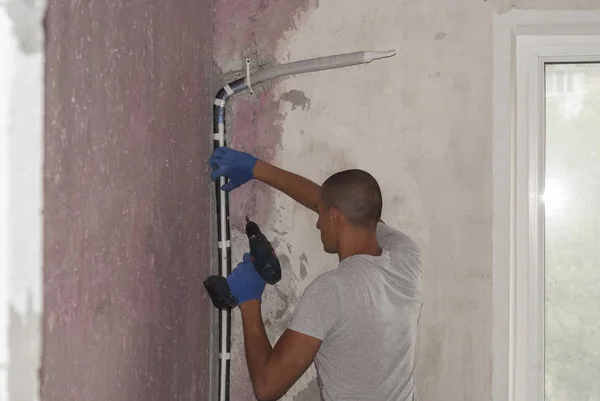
(248, 76)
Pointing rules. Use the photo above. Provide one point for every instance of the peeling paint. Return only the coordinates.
(303, 262)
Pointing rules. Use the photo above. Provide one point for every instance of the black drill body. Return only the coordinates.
(265, 262)
(262, 253)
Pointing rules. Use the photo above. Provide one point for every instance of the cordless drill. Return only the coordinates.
(265, 262)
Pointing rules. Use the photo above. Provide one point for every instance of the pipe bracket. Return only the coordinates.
(248, 76)
(224, 244)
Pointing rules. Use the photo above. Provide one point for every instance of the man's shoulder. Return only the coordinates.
(392, 238)
(326, 279)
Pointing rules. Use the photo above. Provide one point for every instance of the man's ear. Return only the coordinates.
(334, 213)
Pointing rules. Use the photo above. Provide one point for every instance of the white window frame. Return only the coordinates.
(523, 42)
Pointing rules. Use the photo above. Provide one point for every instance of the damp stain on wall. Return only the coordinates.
(259, 30)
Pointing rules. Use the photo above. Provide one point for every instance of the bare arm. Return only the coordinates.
(301, 189)
(273, 371)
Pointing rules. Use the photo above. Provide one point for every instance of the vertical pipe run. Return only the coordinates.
(224, 237)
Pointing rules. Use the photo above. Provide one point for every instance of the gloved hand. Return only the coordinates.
(244, 281)
(233, 164)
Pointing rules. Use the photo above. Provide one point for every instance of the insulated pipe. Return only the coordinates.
(224, 238)
(318, 64)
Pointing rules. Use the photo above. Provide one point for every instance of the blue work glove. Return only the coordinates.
(244, 281)
(233, 164)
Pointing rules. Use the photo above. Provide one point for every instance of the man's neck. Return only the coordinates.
(358, 241)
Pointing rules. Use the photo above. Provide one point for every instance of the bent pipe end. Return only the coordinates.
(376, 55)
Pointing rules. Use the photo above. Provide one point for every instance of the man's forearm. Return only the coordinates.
(301, 189)
(256, 343)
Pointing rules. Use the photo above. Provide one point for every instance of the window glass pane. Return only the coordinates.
(570, 78)
(560, 81)
(572, 237)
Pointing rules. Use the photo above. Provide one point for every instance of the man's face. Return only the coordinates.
(326, 224)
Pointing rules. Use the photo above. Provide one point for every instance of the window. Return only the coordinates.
(546, 223)
(571, 201)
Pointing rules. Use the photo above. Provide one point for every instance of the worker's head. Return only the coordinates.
(348, 200)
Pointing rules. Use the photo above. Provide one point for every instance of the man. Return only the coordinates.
(358, 322)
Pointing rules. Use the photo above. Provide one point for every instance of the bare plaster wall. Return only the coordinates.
(127, 201)
(421, 122)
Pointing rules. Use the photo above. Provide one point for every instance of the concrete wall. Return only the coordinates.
(127, 201)
(420, 122)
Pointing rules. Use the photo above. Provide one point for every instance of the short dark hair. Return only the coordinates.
(356, 194)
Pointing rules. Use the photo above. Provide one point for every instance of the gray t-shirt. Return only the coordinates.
(366, 313)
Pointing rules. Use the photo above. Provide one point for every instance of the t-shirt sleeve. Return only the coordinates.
(319, 310)
(391, 239)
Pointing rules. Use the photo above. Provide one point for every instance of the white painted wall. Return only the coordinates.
(21, 128)
(421, 122)
(4, 95)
